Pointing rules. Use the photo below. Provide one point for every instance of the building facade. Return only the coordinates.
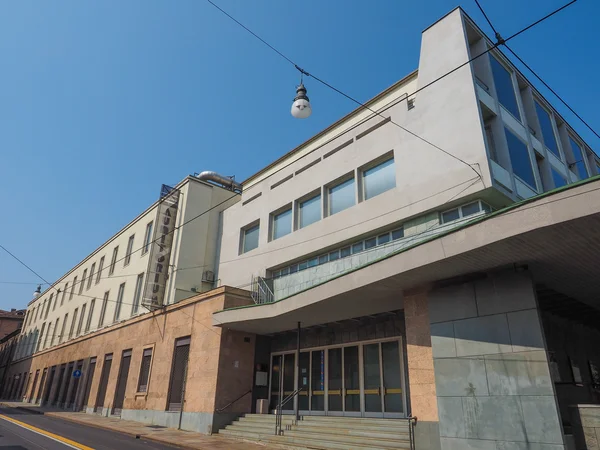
(424, 264)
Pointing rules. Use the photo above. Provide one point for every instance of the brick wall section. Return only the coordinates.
(421, 376)
(213, 353)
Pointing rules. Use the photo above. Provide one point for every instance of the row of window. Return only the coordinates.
(547, 126)
(373, 179)
(451, 215)
(41, 311)
(78, 319)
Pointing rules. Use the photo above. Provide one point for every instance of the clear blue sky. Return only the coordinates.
(103, 101)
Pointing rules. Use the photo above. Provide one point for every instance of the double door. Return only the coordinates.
(364, 380)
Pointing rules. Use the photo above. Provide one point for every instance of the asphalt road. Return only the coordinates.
(15, 437)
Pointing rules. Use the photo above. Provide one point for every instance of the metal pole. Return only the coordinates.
(297, 399)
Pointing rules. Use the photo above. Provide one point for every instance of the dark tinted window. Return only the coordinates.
(519, 157)
(504, 87)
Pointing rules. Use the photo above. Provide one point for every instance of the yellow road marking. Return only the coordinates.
(56, 437)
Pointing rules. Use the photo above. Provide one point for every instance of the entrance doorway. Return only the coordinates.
(364, 379)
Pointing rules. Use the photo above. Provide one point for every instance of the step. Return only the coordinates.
(398, 427)
(385, 442)
(357, 420)
(272, 445)
(308, 441)
(369, 433)
(248, 426)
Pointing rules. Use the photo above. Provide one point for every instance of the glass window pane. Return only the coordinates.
(370, 243)
(547, 130)
(303, 265)
(313, 262)
(559, 180)
(504, 87)
(470, 209)
(341, 196)
(357, 248)
(379, 179)
(323, 259)
(383, 238)
(519, 157)
(334, 255)
(294, 268)
(282, 224)
(451, 215)
(251, 238)
(397, 234)
(310, 211)
(578, 159)
(285, 271)
(346, 251)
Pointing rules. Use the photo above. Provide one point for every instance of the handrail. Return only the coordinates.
(412, 422)
(232, 402)
(279, 410)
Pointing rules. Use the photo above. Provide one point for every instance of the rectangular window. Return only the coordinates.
(559, 180)
(72, 288)
(370, 243)
(449, 216)
(73, 322)
(80, 324)
(281, 224)
(178, 373)
(139, 284)
(55, 333)
(505, 87)
(48, 308)
(341, 196)
(470, 209)
(346, 251)
(63, 329)
(519, 157)
(119, 302)
(578, 159)
(547, 129)
(294, 268)
(303, 265)
(383, 239)
(250, 238)
(334, 255)
(129, 250)
(145, 370)
(397, 234)
(103, 309)
(322, 260)
(100, 267)
(379, 179)
(357, 248)
(147, 238)
(88, 322)
(62, 299)
(81, 285)
(313, 262)
(113, 260)
(309, 211)
(89, 283)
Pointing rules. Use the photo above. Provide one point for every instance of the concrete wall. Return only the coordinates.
(493, 385)
(220, 364)
(446, 114)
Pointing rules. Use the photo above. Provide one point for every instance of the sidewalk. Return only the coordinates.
(170, 436)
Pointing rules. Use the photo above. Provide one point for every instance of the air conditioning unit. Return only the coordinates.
(208, 276)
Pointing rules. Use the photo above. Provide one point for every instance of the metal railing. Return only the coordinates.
(412, 423)
(233, 401)
(261, 291)
(279, 411)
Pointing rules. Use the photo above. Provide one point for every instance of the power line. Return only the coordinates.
(487, 18)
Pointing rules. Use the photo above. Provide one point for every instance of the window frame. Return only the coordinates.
(244, 231)
(113, 261)
(537, 105)
(129, 250)
(273, 216)
(507, 131)
(147, 385)
(100, 268)
(349, 177)
(317, 193)
(148, 237)
(119, 303)
(103, 308)
(381, 160)
(91, 277)
(583, 155)
(83, 280)
(88, 322)
(513, 79)
(80, 324)
(64, 294)
(137, 293)
(72, 293)
(73, 322)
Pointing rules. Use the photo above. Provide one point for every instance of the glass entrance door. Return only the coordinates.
(363, 379)
(283, 368)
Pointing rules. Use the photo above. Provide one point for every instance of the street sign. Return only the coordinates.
(77, 373)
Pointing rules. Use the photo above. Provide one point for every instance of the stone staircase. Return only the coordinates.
(322, 432)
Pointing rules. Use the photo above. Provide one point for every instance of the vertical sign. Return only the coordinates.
(160, 249)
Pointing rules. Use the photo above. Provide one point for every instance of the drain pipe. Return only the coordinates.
(297, 399)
